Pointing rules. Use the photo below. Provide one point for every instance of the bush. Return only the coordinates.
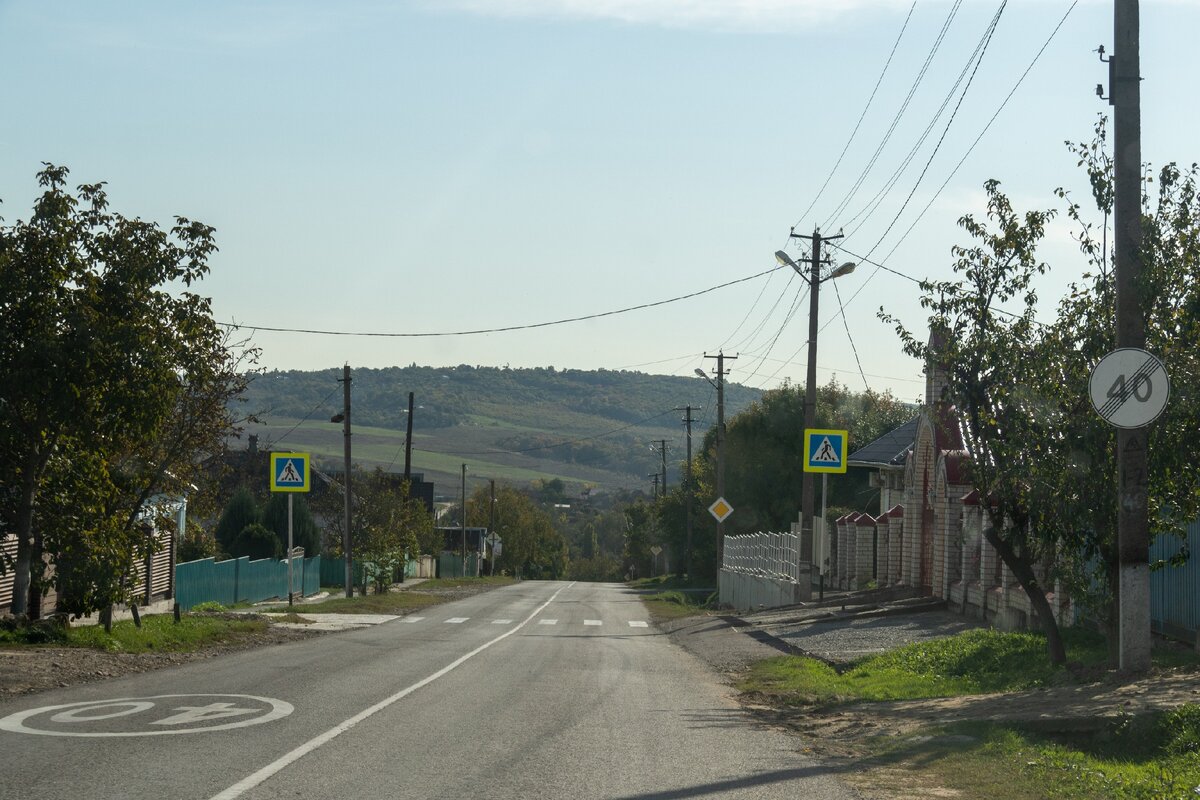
(208, 605)
(256, 542)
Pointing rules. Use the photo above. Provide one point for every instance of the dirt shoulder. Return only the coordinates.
(26, 670)
(31, 669)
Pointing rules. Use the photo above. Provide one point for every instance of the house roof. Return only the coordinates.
(889, 450)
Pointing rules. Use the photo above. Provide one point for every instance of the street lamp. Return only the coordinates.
(814, 279)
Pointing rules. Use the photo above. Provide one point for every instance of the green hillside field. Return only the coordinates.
(587, 428)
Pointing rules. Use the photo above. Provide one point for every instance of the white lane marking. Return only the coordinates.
(592, 622)
(547, 622)
(124, 707)
(637, 624)
(502, 622)
(457, 620)
(249, 782)
(413, 619)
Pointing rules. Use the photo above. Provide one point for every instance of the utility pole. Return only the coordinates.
(814, 279)
(1133, 531)
(662, 451)
(408, 443)
(687, 486)
(720, 356)
(464, 521)
(654, 475)
(492, 529)
(344, 418)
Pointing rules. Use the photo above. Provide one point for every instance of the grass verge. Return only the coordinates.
(973, 662)
(158, 633)
(1131, 758)
(674, 597)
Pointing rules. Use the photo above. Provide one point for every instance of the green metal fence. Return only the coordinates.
(242, 580)
(450, 565)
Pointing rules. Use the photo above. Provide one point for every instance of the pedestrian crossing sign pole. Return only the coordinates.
(824, 452)
(290, 473)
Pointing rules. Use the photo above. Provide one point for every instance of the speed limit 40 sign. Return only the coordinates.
(1129, 388)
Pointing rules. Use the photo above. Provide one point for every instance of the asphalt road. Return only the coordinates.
(538, 690)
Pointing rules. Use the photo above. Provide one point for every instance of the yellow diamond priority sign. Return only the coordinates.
(720, 509)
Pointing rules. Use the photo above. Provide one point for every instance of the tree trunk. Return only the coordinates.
(1022, 570)
(22, 569)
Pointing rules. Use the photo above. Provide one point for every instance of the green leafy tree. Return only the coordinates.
(1021, 388)
(387, 525)
(996, 374)
(532, 546)
(305, 532)
(107, 359)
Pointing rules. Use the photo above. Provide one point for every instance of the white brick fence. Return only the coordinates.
(761, 570)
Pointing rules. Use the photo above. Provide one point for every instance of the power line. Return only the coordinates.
(305, 418)
(981, 51)
(961, 161)
(899, 113)
(853, 347)
(503, 329)
(861, 116)
(975, 58)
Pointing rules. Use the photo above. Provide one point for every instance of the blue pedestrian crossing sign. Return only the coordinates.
(825, 451)
(289, 472)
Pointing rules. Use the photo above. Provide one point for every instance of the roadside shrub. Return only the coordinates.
(208, 605)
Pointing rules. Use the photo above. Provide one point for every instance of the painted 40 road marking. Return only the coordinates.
(160, 715)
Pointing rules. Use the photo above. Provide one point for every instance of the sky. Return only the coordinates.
(439, 167)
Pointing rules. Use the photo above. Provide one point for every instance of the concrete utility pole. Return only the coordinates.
(492, 529)
(408, 442)
(721, 373)
(654, 475)
(1133, 529)
(687, 486)
(345, 381)
(464, 521)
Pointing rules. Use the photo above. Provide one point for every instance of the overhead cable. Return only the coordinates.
(506, 328)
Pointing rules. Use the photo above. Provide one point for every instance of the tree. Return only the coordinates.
(532, 548)
(996, 373)
(305, 532)
(107, 360)
(387, 525)
(240, 512)
(256, 541)
(1021, 388)
(1083, 512)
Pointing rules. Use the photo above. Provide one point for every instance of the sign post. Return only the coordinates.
(824, 452)
(290, 473)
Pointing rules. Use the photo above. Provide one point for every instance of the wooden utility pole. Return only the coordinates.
(345, 381)
(721, 372)
(1133, 529)
(408, 443)
(807, 496)
(688, 489)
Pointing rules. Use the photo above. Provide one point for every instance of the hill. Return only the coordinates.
(518, 425)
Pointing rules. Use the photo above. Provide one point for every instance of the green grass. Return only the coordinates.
(674, 597)
(973, 662)
(159, 633)
(1130, 758)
